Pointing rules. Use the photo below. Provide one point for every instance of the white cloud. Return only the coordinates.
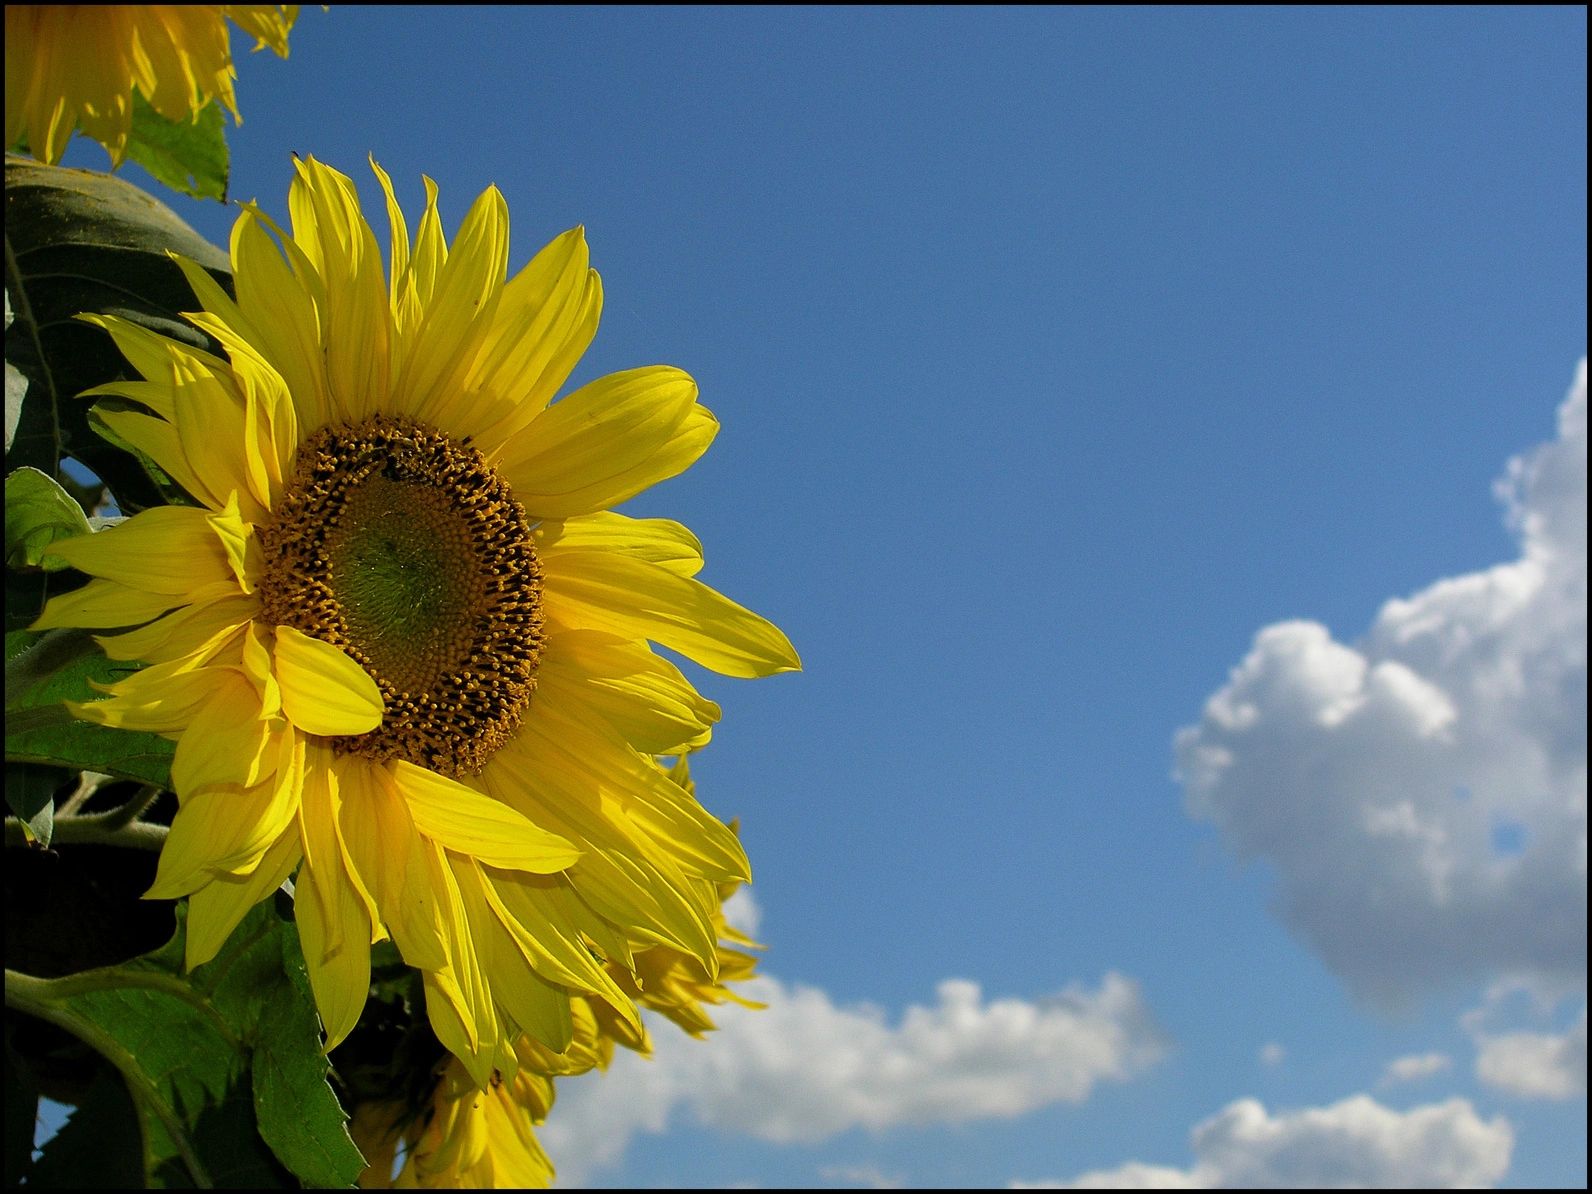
(1273, 1054)
(1414, 1067)
(806, 1070)
(1535, 1065)
(743, 911)
(1354, 1143)
(1422, 793)
(866, 1177)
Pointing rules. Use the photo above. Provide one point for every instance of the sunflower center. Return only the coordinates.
(404, 549)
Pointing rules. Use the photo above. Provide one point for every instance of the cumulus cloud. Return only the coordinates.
(1414, 1067)
(1421, 793)
(866, 1177)
(1355, 1143)
(743, 911)
(805, 1070)
(1535, 1065)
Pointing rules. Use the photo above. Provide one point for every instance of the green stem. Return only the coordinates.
(87, 784)
(101, 829)
(129, 813)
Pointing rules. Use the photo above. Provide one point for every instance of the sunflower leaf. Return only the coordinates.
(187, 155)
(40, 730)
(30, 795)
(177, 1057)
(300, 1117)
(32, 437)
(80, 241)
(38, 512)
(217, 1060)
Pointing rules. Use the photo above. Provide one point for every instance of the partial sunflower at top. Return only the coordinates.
(403, 638)
(77, 66)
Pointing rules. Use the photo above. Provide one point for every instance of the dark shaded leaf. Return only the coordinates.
(26, 593)
(99, 1147)
(79, 907)
(22, 1111)
(79, 241)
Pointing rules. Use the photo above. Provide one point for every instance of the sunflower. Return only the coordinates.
(402, 639)
(676, 984)
(77, 65)
(466, 1137)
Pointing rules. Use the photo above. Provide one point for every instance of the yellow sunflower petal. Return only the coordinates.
(255, 662)
(606, 442)
(227, 828)
(323, 690)
(162, 699)
(545, 321)
(462, 819)
(459, 313)
(661, 541)
(268, 24)
(101, 604)
(534, 1004)
(181, 52)
(216, 908)
(152, 436)
(356, 325)
(464, 985)
(669, 819)
(328, 782)
(183, 630)
(644, 697)
(634, 598)
(549, 941)
(384, 848)
(167, 549)
(617, 876)
(226, 742)
(331, 905)
(204, 405)
(431, 249)
(339, 973)
(275, 315)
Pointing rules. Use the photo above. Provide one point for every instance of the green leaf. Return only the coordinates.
(206, 1053)
(30, 794)
(39, 729)
(187, 155)
(176, 1056)
(299, 1115)
(79, 241)
(38, 512)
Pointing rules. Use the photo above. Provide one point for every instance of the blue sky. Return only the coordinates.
(1086, 376)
